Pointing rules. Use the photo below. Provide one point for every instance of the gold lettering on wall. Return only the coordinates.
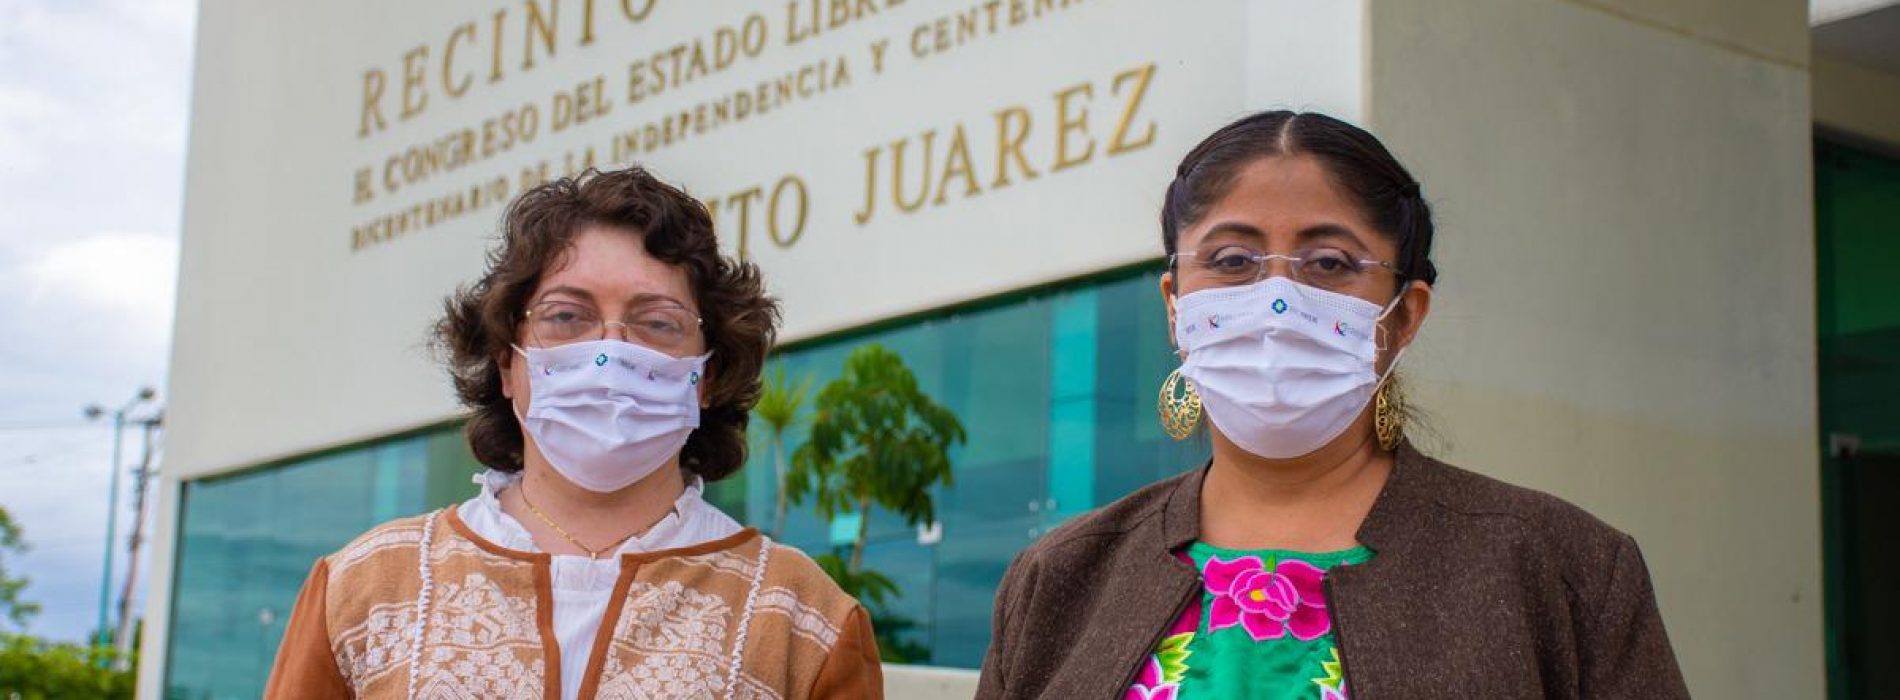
(807, 19)
(587, 22)
(897, 173)
(863, 215)
(434, 211)
(540, 38)
(461, 148)
(1119, 144)
(1067, 123)
(373, 84)
(924, 172)
(957, 164)
(586, 102)
(696, 59)
(539, 25)
(742, 201)
(450, 85)
(1072, 146)
(784, 237)
(414, 95)
(977, 22)
(1009, 145)
(494, 57)
(640, 15)
(790, 198)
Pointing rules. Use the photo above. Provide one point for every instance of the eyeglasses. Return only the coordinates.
(665, 326)
(1233, 265)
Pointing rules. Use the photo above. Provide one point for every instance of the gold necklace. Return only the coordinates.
(571, 539)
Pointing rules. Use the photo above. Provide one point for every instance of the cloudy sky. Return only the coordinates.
(93, 112)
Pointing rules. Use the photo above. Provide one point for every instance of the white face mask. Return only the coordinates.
(607, 413)
(1283, 368)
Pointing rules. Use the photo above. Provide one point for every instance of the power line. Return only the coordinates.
(44, 457)
(63, 425)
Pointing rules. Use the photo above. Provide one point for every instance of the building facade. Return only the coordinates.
(1628, 316)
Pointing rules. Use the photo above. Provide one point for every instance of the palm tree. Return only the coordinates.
(778, 408)
(876, 439)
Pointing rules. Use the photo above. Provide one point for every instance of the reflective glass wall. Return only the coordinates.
(1857, 216)
(1057, 392)
(247, 541)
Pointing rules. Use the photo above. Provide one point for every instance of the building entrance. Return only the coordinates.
(1857, 208)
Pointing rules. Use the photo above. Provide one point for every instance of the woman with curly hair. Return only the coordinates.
(608, 358)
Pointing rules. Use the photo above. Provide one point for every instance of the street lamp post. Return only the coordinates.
(102, 636)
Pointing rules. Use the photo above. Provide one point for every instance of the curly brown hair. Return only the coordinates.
(480, 321)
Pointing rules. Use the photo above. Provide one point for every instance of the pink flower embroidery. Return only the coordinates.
(1148, 685)
(1268, 604)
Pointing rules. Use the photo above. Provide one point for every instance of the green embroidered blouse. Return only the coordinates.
(1259, 630)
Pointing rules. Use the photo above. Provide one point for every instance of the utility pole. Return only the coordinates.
(101, 639)
(139, 489)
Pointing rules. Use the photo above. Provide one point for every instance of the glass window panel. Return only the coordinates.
(452, 467)
(247, 542)
(1057, 394)
(913, 569)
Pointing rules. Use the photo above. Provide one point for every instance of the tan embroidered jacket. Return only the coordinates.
(682, 622)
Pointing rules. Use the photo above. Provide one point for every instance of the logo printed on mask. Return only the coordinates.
(693, 379)
(601, 361)
(1339, 327)
(1213, 322)
(1279, 306)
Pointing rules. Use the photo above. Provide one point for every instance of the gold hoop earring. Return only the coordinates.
(1388, 415)
(1179, 406)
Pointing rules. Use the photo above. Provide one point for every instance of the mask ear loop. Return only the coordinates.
(1174, 315)
(1378, 325)
(519, 419)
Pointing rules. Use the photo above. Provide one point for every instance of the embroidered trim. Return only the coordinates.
(370, 544)
(723, 562)
(422, 604)
(745, 618)
(806, 621)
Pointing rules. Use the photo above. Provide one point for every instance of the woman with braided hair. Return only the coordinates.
(1318, 554)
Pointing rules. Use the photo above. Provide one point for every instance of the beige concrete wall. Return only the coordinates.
(1856, 99)
(928, 683)
(1776, 30)
(284, 175)
(1626, 313)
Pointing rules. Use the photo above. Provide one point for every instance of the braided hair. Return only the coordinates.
(1384, 190)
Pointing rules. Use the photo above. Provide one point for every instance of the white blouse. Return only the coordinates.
(581, 585)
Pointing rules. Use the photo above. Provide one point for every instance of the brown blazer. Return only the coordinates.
(1477, 589)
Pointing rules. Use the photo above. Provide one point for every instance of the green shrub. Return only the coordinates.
(33, 669)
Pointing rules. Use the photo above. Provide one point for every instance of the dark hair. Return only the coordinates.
(480, 321)
(1385, 192)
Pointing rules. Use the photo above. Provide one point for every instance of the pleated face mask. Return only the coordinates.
(608, 413)
(1282, 368)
